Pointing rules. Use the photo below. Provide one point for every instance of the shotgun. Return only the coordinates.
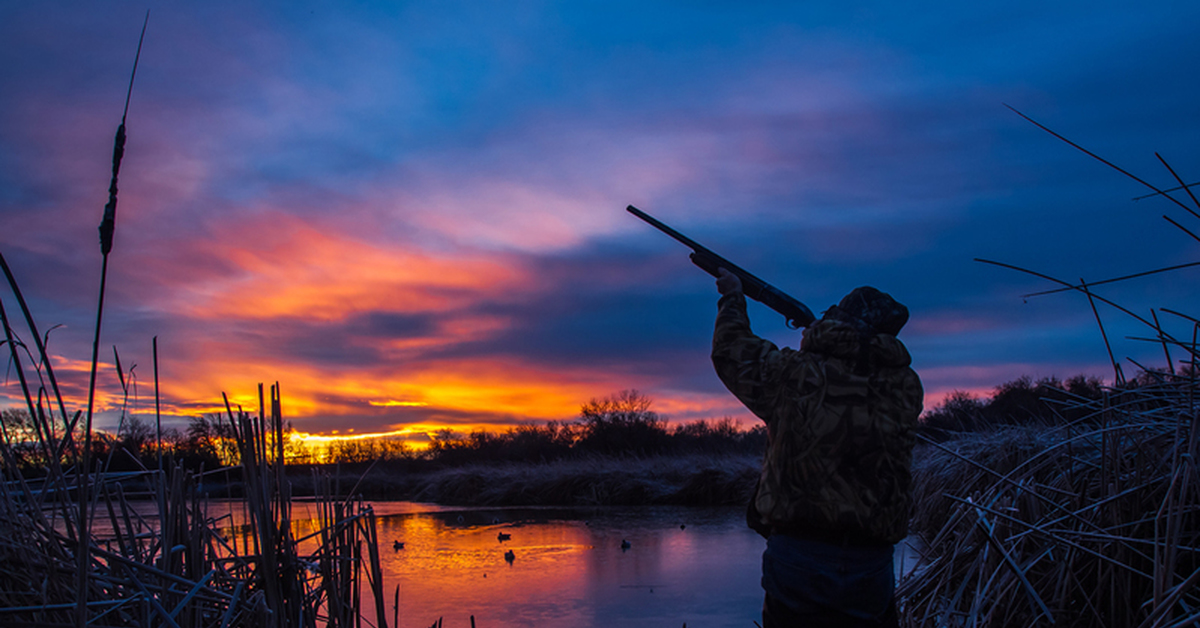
(794, 312)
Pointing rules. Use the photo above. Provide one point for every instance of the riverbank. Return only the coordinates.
(684, 480)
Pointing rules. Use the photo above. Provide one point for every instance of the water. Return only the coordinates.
(696, 565)
(699, 566)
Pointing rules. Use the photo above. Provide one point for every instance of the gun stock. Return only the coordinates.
(795, 313)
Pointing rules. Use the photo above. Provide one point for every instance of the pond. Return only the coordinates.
(570, 567)
(646, 566)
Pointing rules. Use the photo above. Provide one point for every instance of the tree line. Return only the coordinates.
(1048, 401)
(622, 424)
(618, 425)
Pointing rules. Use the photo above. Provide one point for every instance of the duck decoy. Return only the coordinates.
(503, 537)
(397, 545)
(509, 556)
(625, 544)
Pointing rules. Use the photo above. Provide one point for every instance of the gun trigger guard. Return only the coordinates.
(792, 324)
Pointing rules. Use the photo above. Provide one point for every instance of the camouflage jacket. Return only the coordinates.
(840, 414)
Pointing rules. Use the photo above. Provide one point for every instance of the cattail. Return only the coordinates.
(107, 226)
(108, 223)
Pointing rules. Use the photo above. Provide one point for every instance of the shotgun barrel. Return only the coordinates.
(794, 312)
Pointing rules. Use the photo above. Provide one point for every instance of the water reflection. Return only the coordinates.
(568, 568)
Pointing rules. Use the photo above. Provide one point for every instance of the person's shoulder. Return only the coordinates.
(890, 351)
(830, 337)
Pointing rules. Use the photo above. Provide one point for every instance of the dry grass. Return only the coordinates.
(75, 550)
(172, 559)
(1091, 524)
(1094, 523)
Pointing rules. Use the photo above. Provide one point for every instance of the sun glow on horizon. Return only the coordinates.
(417, 436)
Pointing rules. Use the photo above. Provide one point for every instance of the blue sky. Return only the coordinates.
(412, 215)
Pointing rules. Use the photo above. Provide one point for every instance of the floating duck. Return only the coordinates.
(625, 544)
(503, 537)
(510, 556)
(397, 545)
(682, 526)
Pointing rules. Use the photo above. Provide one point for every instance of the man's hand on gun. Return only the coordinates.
(728, 283)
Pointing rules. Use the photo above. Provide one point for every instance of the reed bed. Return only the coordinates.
(76, 550)
(1090, 524)
(166, 555)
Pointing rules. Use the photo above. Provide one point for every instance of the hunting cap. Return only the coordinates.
(877, 310)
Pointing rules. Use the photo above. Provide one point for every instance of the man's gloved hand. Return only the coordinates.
(728, 283)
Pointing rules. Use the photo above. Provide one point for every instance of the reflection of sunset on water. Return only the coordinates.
(569, 568)
(451, 567)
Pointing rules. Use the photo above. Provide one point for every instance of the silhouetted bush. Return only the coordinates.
(132, 448)
(1023, 401)
(207, 441)
(622, 424)
(718, 437)
(20, 435)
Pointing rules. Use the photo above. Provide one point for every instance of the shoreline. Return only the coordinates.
(679, 480)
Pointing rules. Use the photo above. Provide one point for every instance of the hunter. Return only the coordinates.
(834, 496)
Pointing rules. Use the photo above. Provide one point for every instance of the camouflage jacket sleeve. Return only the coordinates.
(749, 366)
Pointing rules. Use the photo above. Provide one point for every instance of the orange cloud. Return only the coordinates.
(286, 267)
(479, 391)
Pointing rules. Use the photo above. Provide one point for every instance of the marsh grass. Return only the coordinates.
(1092, 524)
(165, 556)
(176, 560)
(1094, 521)
(75, 550)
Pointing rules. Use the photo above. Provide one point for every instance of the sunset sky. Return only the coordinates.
(411, 215)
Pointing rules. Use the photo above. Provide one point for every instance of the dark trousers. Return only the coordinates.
(815, 584)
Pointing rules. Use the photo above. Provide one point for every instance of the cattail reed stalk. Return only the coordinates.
(157, 407)
(1186, 188)
(1118, 375)
(1091, 523)
(37, 338)
(10, 337)
(177, 566)
(1093, 284)
(1101, 160)
(107, 227)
